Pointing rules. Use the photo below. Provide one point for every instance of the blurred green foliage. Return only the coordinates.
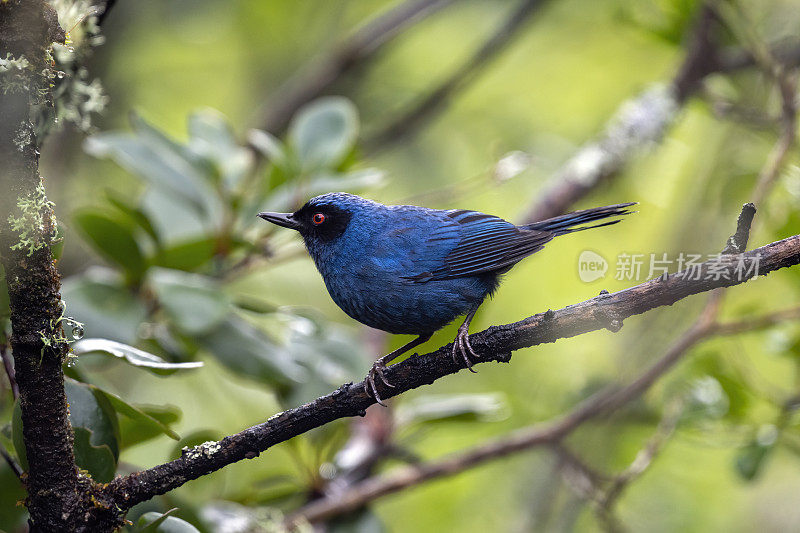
(167, 266)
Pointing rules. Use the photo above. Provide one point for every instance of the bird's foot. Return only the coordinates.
(461, 344)
(376, 372)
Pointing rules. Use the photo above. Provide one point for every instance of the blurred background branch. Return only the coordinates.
(318, 77)
(437, 98)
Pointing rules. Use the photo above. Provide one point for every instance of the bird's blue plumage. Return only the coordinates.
(369, 272)
(409, 269)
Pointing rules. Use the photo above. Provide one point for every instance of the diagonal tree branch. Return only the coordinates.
(606, 311)
(320, 75)
(643, 120)
(638, 123)
(436, 100)
(9, 367)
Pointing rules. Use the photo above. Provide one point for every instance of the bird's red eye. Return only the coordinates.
(318, 219)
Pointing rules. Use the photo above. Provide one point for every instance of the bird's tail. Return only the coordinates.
(563, 224)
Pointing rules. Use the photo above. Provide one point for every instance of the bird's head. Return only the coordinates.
(322, 219)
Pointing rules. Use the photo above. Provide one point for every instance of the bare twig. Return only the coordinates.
(318, 77)
(11, 462)
(610, 495)
(8, 364)
(429, 106)
(787, 86)
(737, 243)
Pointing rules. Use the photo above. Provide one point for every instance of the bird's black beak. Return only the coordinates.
(281, 219)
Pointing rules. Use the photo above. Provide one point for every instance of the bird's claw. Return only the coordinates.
(377, 370)
(461, 344)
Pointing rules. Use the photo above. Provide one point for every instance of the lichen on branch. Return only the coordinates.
(35, 225)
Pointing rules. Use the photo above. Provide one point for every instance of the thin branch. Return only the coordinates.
(606, 311)
(8, 364)
(436, 100)
(318, 77)
(756, 323)
(637, 124)
(787, 86)
(14, 465)
(643, 459)
(737, 243)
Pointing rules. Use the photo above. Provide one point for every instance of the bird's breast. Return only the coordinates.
(381, 298)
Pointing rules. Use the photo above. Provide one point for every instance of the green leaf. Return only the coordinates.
(751, 458)
(94, 422)
(749, 461)
(156, 158)
(113, 240)
(194, 303)
(154, 522)
(270, 146)
(174, 220)
(105, 307)
(99, 461)
(254, 304)
(453, 407)
(249, 352)
(189, 255)
(135, 215)
(144, 420)
(330, 354)
(131, 355)
(12, 515)
(211, 137)
(135, 430)
(151, 520)
(324, 131)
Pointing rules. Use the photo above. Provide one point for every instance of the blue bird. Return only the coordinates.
(413, 270)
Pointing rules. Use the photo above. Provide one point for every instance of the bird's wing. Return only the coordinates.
(485, 243)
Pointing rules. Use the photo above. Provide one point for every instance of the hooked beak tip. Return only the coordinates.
(280, 219)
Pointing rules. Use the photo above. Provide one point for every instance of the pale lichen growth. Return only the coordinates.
(76, 97)
(84, 100)
(11, 64)
(35, 227)
(23, 135)
(13, 76)
(207, 449)
(71, 13)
